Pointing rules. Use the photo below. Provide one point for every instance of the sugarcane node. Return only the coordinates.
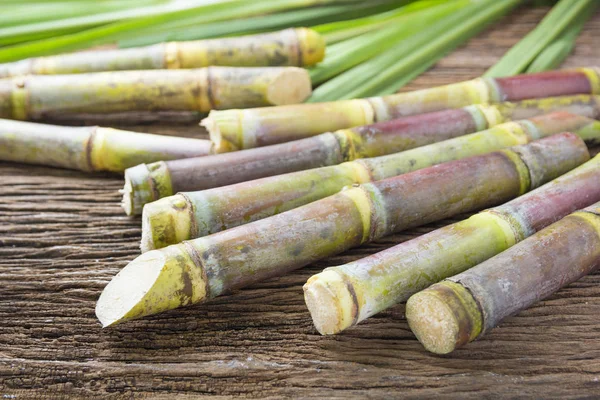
(167, 221)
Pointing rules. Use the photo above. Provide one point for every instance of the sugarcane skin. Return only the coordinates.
(343, 145)
(259, 127)
(204, 207)
(289, 47)
(238, 257)
(480, 303)
(35, 97)
(89, 148)
(379, 282)
(226, 129)
(226, 207)
(359, 143)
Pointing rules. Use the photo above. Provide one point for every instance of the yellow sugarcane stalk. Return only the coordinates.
(462, 308)
(243, 129)
(289, 47)
(90, 148)
(195, 214)
(204, 89)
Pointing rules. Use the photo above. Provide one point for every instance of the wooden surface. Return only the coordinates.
(63, 236)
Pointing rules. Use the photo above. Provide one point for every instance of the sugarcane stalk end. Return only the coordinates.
(145, 183)
(444, 317)
(154, 282)
(312, 46)
(290, 86)
(166, 221)
(330, 302)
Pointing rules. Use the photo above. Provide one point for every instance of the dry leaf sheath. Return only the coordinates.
(244, 129)
(196, 270)
(190, 215)
(204, 89)
(146, 183)
(386, 278)
(290, 47)
(456, 311)
(90, 148)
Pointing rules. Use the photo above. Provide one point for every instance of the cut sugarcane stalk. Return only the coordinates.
(461, 309)
(393, 275)
(244, 129)
(39, 96)
(90, 148)
(290, 47)
(196, 270)
(190, 215)
(332, 148)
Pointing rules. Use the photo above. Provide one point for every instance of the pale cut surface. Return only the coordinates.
(432, 321)
(128, 288)
(329, 303)
(291, 86)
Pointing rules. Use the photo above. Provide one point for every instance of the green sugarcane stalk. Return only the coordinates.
(190, 215)
(243, 129)
(290, 47)
(461, 309)
(202, 89)
(393, 275)
(91, 148)
(197, 270)
(147, 183)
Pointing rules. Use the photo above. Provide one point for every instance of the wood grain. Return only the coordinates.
(63, 236)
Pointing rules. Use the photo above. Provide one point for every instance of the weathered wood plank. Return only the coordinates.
(63, 236)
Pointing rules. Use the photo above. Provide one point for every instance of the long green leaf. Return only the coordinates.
(107, 33)
(411, 54)
(347, 54)
(553, 55)
(262, 23)
(517, 59)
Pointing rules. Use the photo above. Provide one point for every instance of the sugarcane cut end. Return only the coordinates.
(444, 317)
(145, 183)
(166, 221)
(330, 302)
(225, 130)
(291, 86)
(312, 46)
(156, 281)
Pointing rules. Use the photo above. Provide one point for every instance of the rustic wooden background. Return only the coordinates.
(63, 236)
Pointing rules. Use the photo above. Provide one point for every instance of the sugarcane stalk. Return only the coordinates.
(39, 96)
(244, 129)
(289, 47)
(90, 148)
(384, 279)
(464, 307)
(189, 215)
(196, 270)
(332, 148)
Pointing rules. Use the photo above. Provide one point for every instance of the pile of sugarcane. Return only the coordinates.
(280, 184)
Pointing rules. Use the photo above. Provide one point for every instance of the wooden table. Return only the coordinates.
(63, 236)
